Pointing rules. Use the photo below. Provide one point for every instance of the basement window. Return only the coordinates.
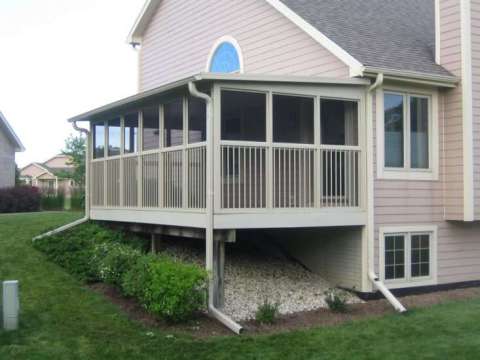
(408, 256)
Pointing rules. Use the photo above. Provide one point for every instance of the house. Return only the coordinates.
(51, 176)
(353, 124)
(9, 145)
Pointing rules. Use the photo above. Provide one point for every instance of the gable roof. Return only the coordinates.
(370, 36)
(382, 34)
(5, 126)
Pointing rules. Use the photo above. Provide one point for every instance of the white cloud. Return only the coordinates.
(60, 58)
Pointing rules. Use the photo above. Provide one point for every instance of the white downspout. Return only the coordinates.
(87, 191)
(220, 316)
(371, 268)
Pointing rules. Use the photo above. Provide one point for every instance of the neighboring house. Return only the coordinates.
(51, 176)
(9, 145)
(353, 123)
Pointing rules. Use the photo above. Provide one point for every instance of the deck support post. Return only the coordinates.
(218, 273)
(155, 239)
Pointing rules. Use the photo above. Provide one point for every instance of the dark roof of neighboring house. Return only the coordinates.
(390, 34)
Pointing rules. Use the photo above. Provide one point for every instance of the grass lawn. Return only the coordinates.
(60, 319)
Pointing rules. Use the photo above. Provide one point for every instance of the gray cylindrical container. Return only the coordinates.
(11, 305)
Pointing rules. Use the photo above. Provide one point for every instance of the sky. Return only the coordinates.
(60, 58)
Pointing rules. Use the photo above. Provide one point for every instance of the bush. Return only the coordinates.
(167, 288)
(77, 200)
(336, 300)
(111, 261)
(53, 201)
(136, 279)
(77, 249)
(19, 199)
(267, 313)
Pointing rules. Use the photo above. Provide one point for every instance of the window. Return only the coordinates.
(225, 58)
(293, 119)
(339, 122)
(98, 140)
(114, 132)
(243, 116)
(131, 133)
(197, 120)
(151, 126)
(408, 255)
(394, 257)
(407, 132)
(394, 130)
(173, 120)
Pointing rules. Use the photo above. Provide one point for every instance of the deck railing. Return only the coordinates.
(252, 176)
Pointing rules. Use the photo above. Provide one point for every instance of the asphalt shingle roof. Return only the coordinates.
(391, 34)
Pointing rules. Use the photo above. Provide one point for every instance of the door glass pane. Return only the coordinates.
(151, 126)
(419, 132)
(339, 122)
(243, 116)
(394, 257)
(393, 106)
(293, 119)
(197, 120)
(98, 140)
(114, 132)
(131, 133)
(173, 113)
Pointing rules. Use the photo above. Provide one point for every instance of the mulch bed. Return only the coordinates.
(204, 327)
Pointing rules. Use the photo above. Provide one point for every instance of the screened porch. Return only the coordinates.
(277, 149)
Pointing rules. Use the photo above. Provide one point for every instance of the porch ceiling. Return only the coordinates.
(145, 97)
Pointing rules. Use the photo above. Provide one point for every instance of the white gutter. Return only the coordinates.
(216, 313)
(370, 226)
(87, 192)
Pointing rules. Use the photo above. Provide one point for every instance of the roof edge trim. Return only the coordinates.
(143, 19)
(402, 75)
(18, 144)
(356, 67)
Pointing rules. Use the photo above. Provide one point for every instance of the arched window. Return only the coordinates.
(225, 57)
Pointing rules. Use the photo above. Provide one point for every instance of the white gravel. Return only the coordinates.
(252, 278)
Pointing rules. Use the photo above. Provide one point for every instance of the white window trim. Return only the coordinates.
(218, 42)
(405, 173)
(408, 281)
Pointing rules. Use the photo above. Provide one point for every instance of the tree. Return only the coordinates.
(75, 147)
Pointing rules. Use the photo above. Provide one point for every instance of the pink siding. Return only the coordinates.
(179, 39)
(58, 161)
(450, 53)
(421, 203)
(475, 13)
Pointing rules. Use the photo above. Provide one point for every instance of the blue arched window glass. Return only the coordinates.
(225, 59)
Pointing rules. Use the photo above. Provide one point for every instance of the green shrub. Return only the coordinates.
(50, 202)
(112, 260)
(76, 249)
(267, 313)
(336, 300)
(137, 278)
(170, 289)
